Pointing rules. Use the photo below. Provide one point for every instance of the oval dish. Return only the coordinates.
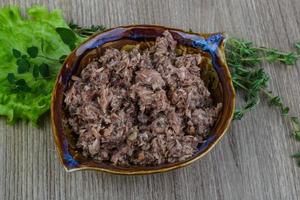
(215, 74)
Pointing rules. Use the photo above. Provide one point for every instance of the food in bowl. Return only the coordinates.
(140, 106)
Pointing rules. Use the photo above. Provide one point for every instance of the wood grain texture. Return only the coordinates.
(251, 162)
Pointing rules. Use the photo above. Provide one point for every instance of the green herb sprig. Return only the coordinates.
(244, 61)
(86, 31)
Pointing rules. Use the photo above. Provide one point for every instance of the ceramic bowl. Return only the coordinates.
(215, 74)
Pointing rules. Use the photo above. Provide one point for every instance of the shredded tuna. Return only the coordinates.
(143, 107)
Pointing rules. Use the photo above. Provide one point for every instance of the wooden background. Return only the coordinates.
(251, 162)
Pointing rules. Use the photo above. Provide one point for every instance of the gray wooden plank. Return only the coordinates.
(251, 162)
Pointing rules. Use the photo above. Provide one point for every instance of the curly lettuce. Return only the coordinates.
(33, 38)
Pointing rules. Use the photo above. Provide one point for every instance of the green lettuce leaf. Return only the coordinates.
(17, 33)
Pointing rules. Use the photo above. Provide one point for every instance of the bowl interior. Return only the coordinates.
(214, 73)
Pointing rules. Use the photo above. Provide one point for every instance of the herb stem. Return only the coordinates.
(267, 93)
(268, 50)
(240, 85)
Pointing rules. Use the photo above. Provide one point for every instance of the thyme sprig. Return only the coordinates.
(86, 31)
(249, 78)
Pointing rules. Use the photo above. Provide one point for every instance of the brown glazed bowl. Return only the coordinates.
(215, 74)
